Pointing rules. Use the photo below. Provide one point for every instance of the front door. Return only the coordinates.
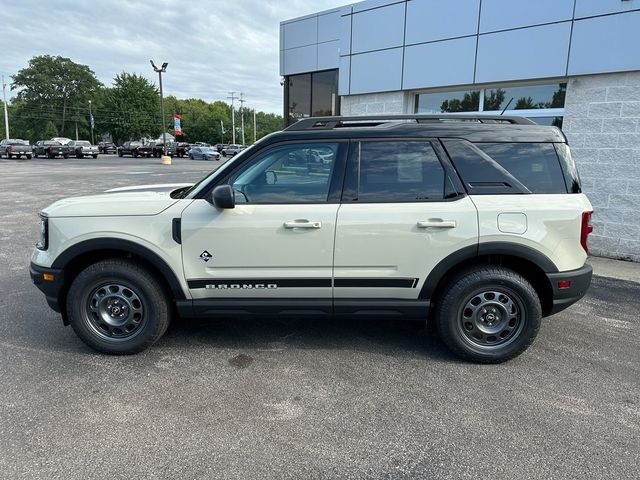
(277, 243)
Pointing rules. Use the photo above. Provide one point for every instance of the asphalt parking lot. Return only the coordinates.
(299, 399)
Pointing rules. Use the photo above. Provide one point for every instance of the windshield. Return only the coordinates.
(195, 189)
(18, 142)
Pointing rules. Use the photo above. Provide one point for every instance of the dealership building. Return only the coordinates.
(574, 64)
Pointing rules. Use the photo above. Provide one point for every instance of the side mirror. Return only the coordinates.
(223, 196)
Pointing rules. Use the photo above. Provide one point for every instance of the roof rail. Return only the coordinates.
(329, 123)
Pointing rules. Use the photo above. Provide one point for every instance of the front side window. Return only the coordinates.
(394, 171)
(297, 173)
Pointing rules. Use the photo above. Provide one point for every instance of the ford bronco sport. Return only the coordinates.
(475, 223)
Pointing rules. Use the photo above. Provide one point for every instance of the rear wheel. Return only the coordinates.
(488, 314)
(29, 157)
(118, 307)
(95, 155)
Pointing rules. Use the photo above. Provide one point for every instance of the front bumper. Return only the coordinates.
(579, 279)
(52, 289)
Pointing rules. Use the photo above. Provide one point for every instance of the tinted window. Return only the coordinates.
(571, 177)
(324, 93)
(527, 97)
(536, 165)
(394, 171)
(299, 97)
(464, 101)
(299, 173)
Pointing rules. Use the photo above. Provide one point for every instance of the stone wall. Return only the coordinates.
(376, 104)
(602, 123)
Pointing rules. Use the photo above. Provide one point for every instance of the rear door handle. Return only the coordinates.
(437, 223)
(302, 224)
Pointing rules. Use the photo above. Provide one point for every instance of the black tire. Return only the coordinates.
(120, 153)
(29, 157)
(9, 156)
(66, 155)
(488, 314)
(99, 288)
(95, 155)
(35, 155)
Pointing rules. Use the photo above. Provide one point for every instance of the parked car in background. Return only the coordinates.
(107, 147)
(50, 149)
(157, 149)
(204, 153)
(15, 148)
(182, 149)
(62, 140)
(232, 150)
(83, 148)
(220, 146)
(135, 149)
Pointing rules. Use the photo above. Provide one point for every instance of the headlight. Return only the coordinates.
(43, 244)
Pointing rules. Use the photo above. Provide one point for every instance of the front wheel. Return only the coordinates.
(118, 307)
(488, 314)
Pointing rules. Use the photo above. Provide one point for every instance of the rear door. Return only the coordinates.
(402, 212)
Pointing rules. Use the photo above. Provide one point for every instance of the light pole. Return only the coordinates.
(232, 96)
(6, 115)
(254, 125)
(91, 123)
(160, 71)
(242, 100)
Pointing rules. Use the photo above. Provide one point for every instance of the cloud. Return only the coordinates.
(212, 47)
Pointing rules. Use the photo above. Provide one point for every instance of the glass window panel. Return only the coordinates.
(325, 90)
(550, 121)
(399, 172)
(442, 102)
(299, 97)
(299, 173)
(535, 165)
(525, 97)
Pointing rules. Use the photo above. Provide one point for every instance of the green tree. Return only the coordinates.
(494, 100)
(50, 130)
(56, 88)
(470, 103)
(130, 109)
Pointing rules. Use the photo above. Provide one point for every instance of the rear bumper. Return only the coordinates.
(52, 289)
(565, 297)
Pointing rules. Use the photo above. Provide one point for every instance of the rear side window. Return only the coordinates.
(504, 168)
(535, 165)
(394, 171)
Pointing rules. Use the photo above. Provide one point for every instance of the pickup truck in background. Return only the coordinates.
(15, 148)
(135, 149)
(50, 149)
(83, 148)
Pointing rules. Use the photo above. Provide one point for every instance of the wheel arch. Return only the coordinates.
(77, 257)
(526, 261)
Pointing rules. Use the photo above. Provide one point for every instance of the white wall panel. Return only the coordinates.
(504, 14)
(534, 52)
(605, 44)
(301, 33)
(300, 60)
(588, 8)
(377, 29)
(439, 64)
(429, 20)
(376, 71)
(328, 55)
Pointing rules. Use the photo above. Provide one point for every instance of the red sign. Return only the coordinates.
(177, 130)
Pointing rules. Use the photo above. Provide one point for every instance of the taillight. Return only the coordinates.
(585, 230)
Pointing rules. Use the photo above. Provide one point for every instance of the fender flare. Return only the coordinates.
(487, 248)
(126, 246)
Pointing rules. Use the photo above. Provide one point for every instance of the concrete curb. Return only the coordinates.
(617, 269)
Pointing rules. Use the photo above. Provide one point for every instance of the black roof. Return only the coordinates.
(474, 128)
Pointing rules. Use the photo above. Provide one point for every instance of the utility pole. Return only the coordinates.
(233, 116)
(254, 125)
(242, 100)
(6, 115)
(91, 122)
(222, 131)
(160, 71)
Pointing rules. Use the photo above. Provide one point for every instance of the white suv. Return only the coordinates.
(475, 223)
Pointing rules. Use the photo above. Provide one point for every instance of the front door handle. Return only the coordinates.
(302, 224)
(436, 223)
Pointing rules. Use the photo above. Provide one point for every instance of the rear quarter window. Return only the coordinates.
(535, 165)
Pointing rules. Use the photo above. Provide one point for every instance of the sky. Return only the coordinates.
(212, 46)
